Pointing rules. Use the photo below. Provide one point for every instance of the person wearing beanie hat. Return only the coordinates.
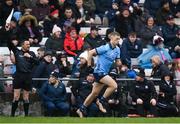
(84, 55)
(53, 93)
(56, 29)
(143, 93)
(167, 92)
(55, 41)
(43, 70)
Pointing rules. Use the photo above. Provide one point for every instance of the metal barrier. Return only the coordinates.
(75, 79)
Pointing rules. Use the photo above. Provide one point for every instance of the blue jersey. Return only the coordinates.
(106, 56)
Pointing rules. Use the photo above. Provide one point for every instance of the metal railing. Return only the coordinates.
(76, 79)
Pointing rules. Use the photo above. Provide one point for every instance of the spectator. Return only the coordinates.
(152, 6)
(83, 13)
(113, 13)
(158, 67)
(81, 89)
(102, 7)
(40, 53)
(166, 101)
(73, 43)
(175, 8)
(50, 21)
(43, 70)
(162, 13)
(25, 60)
(81, 66)
(53, 94)
(148, 31)
(63, 65)
(5, 10)
(55, 42)
(41, 10)
(124, 23)
(13, 34)
(143, 93)
(68, 17)
(93, 39)
(170, 31)
(27, 5)
(157, 48)
(177, 76)
(28, 30)
(133, 7)
(90, 4)
(131, 48)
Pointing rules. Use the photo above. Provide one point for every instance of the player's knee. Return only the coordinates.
(94, 94)
(114, 86)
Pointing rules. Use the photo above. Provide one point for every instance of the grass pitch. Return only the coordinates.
(86, 120)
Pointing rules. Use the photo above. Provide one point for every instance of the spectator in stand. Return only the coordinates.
(43, 70)
(63, 65)
(81, 66)
(157, 48)
(41, 53)
(28, 29)
(81, 89)
(102, 6)
(54, 96)
(25, 61)
(166, 98)
(177, 76)
(158, 67)
(113, 13)
(83, 13)
(175, 8)
(124, 23)
(133, 7)
(5, 10)
(50, 21)
(131, 48)
(55, 42)
(148, 31)
(73, 43)
(170, 31)
(152, 6)
(93, 39)
(41, 10)
(90, 4)
(163, 12)
(4, 38)
(68, 16)
(27, 5)
(143, 93)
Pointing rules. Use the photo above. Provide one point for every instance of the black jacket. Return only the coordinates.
(91, 42)
(130, 50)
(23, 64)
(143, 90)
(169, 90)
(159, 70)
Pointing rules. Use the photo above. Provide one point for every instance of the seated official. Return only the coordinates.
(143, 93)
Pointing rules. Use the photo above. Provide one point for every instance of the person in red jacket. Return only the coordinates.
(73, 43)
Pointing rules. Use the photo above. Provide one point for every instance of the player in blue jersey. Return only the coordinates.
(107, 54)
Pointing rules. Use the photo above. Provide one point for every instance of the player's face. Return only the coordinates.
(116, 40)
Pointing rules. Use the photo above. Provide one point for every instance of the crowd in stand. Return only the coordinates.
(153, 26)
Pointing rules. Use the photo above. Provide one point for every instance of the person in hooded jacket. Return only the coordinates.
(166, 97)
